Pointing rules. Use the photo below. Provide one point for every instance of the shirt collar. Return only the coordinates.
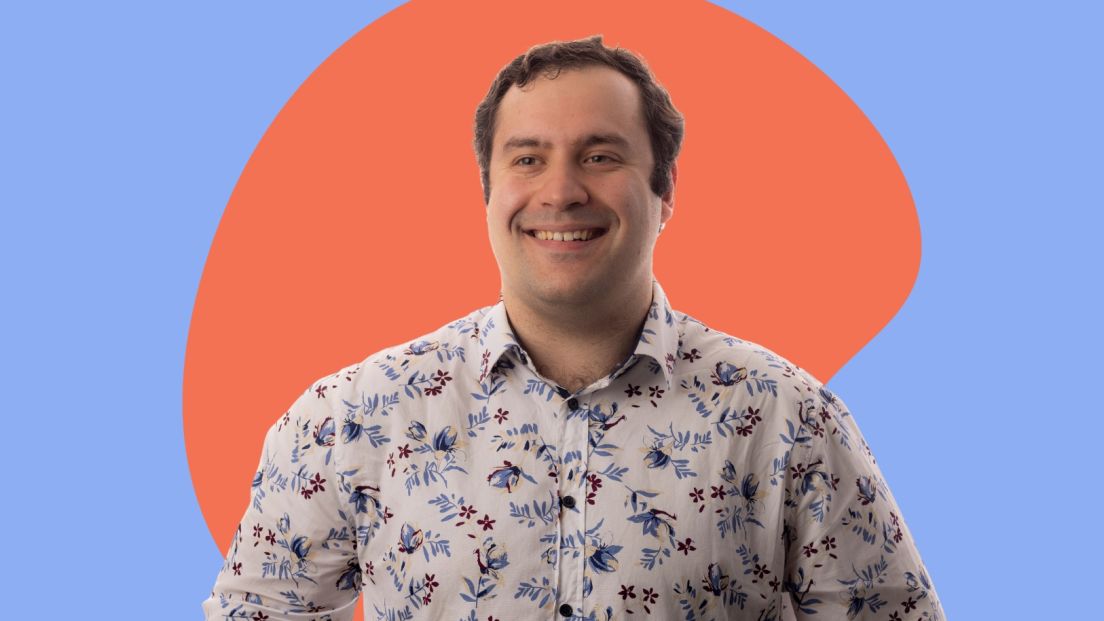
(659, 338)
(496, 337)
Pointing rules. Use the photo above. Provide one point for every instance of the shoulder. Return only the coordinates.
(446, 350)
(705, 347)
(729, 362)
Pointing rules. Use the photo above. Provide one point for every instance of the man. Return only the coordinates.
(578, 450)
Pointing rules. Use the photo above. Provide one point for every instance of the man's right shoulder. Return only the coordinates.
(410, 366)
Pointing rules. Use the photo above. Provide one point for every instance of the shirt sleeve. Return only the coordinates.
(849, 554)
(294, 553)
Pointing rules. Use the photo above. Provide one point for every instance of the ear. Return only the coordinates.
(667, 209)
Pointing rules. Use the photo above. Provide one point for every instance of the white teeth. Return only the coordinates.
(583, 235)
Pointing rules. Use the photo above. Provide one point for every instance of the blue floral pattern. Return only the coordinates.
(706, 478)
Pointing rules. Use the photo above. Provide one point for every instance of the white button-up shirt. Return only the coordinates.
(706, 478)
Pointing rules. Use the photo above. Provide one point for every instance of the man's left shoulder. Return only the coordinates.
(730, 362)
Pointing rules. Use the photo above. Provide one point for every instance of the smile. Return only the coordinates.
(566, 236)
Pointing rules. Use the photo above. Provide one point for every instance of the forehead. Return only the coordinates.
(575, 104)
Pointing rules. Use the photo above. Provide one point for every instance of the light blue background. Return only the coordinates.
(124, 126)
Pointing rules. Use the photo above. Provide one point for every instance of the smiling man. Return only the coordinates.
(573, 218)
(578, 450)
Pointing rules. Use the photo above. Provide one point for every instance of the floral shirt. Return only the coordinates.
(706, 478)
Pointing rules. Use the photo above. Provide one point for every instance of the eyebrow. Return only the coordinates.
(530, 142)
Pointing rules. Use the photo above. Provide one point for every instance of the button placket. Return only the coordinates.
(572, 513)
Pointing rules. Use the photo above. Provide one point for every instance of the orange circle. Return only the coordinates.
(358, 222)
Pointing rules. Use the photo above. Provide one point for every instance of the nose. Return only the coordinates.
(562, 187)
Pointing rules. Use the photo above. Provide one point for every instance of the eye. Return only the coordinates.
(526, 160)
(599, 158)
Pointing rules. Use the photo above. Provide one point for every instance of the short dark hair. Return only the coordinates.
(663, 120)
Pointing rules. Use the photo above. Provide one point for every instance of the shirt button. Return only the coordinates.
(566, 610)
(573, 404)
(568, 502)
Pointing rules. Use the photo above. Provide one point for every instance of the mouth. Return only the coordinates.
(583, 234)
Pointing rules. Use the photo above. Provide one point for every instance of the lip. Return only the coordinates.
(563, 228)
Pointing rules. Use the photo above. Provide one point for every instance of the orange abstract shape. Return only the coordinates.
(358, 222)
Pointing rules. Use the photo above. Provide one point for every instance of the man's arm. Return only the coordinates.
(849, 554)
(293, 555)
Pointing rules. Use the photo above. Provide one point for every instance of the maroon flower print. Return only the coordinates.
(697, 496)
(487, 523)
(595, 482)
(430, 584)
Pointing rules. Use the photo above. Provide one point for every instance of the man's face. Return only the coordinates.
(572, 155)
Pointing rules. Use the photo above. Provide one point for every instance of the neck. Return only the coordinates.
(575, 345)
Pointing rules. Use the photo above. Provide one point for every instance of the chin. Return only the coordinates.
(572, 293)
(597, 291)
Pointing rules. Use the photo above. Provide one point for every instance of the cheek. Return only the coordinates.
(498, 220)
(640, 209)
(506, 201)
